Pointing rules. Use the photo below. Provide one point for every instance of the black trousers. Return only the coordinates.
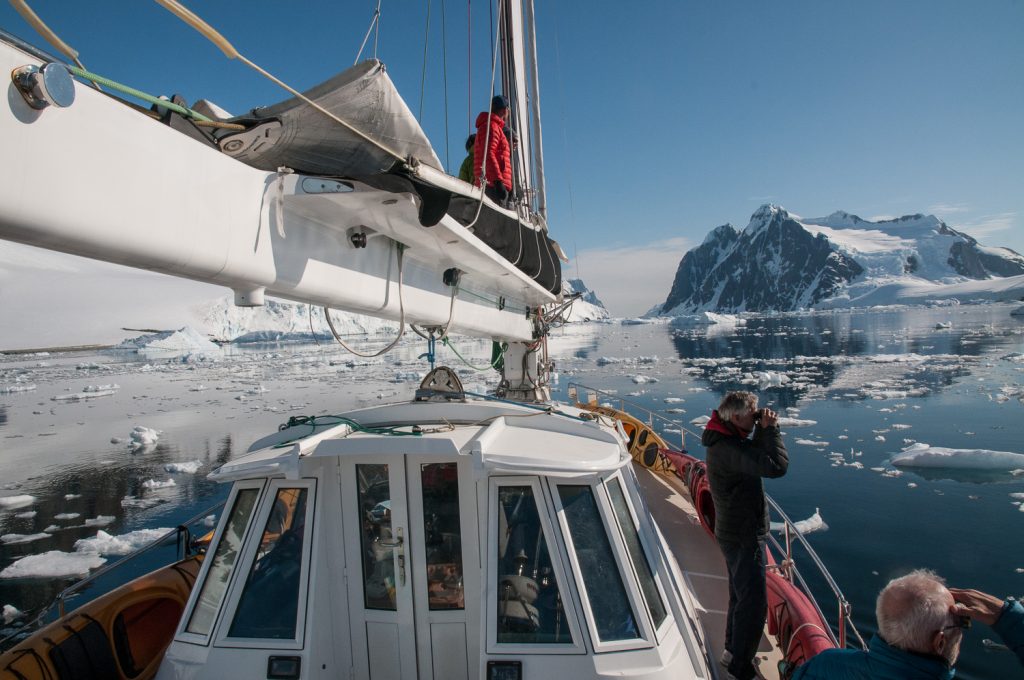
(748, 603)
(497, 193)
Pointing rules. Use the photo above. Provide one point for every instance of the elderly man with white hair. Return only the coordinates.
(920, 628)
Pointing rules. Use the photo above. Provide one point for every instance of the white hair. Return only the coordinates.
(736, 403)
(911, 608)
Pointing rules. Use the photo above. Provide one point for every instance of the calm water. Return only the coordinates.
(869, 380)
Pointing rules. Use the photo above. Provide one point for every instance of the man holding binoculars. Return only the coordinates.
(736, 462)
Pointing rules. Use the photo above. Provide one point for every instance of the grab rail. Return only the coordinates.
(572, 389)
(787, 566)
(789, 571)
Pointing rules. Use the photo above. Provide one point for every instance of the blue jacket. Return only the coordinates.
(884, 662)
(1010, 627)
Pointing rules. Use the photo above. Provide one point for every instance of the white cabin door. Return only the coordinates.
(407, 520)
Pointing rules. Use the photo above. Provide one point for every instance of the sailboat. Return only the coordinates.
(450, 536)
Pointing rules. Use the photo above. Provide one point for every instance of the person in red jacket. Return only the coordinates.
(493, 145)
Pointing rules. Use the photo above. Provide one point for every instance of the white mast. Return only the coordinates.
(536, 137)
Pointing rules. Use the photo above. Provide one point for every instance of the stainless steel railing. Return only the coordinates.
(573, 390)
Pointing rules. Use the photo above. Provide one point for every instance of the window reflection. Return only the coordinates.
(636, 553)
(378, 557)
(529, 605)
(223, 563)
(613, 615)
(268, 607)
(442, 535)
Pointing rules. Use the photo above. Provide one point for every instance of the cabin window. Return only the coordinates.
(609, 602)
(442, 535)
(377, 538)
(223, 563)
(655, 605)
(268, 606)
(529, 607)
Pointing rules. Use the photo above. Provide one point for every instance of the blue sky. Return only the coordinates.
(662, 120)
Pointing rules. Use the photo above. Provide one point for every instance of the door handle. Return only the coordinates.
(399, 545)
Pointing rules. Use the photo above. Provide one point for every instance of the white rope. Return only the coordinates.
(448, 324)
(487, 137)
(806, 624)
(369, 29)
(401, 322)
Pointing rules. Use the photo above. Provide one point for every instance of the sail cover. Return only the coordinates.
(296, 135)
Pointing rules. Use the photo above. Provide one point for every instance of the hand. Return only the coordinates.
(977, 605)
(769, 418)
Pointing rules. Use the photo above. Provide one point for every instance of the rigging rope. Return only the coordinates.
(487, 136)
(49, 35)
(373, 24)
(423, 77)
(444, 71)
(401, 322)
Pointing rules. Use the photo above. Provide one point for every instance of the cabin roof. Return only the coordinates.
(504, 437)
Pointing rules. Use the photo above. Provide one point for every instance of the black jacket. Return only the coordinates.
(735, 468)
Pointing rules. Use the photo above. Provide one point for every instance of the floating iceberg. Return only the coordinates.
(923, 455)
(186, 340)
(53, 564)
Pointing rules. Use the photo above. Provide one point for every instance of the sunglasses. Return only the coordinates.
(959, 621)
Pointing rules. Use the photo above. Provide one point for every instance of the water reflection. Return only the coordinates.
(845, 356)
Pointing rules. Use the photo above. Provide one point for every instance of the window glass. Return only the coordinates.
(636, 553)
(442, 535)
(529, 604)
(223, 563)
(613, 616)
(269, 604)
(376, 538)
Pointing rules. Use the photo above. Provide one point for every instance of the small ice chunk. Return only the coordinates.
(9, 613)
(805, 526)
(703, 420)
(100, 521)
(879, 438)
(154, 484)
(209, 520)
(796, 422)
(10, 502)
(72, 496)
(643, 379)
(26, 515)
(67, 515)
(189, 468)
(912, 485)
(143, 438)
(53, 564)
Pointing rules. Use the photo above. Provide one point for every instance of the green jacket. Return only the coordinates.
(466, 170)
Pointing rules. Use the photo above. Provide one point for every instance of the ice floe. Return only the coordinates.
(785, 421)
(100, 521)
(94, 393)
(22, 538)
(924, 455)
(189, 468)
(67, 515)
(105, 544)
(53, 564)
(10, 502)
(805, 526)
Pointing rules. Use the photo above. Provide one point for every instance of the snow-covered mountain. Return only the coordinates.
(588, 307)
(782, 261)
